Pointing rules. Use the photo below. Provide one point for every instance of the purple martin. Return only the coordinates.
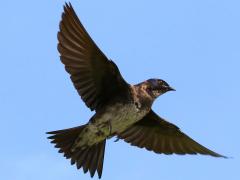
(121, 110)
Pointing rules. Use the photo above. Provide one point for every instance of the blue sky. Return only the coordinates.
(193, 45)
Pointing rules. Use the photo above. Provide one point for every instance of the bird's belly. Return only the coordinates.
(113, 120)
(126, 116)
(119, 117)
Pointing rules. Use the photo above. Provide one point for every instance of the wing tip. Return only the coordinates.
(67, 5)
(67, 8)
(222, 156)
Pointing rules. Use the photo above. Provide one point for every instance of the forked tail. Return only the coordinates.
(90, 158)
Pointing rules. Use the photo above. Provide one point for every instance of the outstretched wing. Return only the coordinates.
(96, 78)
(156, 134)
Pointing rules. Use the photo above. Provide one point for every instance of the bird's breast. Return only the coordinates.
(112, 120)
(119, 117)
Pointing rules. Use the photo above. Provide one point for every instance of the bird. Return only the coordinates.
(121, 110)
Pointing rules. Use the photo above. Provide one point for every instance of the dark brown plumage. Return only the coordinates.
(122, 110)
(91, 71)
(156, 134)
(90, 159)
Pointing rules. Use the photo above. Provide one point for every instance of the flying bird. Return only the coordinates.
(121, 109)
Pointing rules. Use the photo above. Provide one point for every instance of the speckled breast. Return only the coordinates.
(122, 116)
(113, 120)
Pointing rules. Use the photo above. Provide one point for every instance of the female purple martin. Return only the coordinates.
(122, 110)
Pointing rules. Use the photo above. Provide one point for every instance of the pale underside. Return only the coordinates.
(113, 121)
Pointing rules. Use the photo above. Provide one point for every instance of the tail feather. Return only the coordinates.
(89, 158)
(100, 158)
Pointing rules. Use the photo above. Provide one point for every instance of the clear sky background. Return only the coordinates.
(193, 45)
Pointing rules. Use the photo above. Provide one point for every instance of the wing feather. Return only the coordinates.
(156, 134)
(96, 78)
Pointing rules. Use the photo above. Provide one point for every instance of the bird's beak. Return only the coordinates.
(171, 89)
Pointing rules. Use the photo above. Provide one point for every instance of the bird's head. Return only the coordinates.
(157, 87)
